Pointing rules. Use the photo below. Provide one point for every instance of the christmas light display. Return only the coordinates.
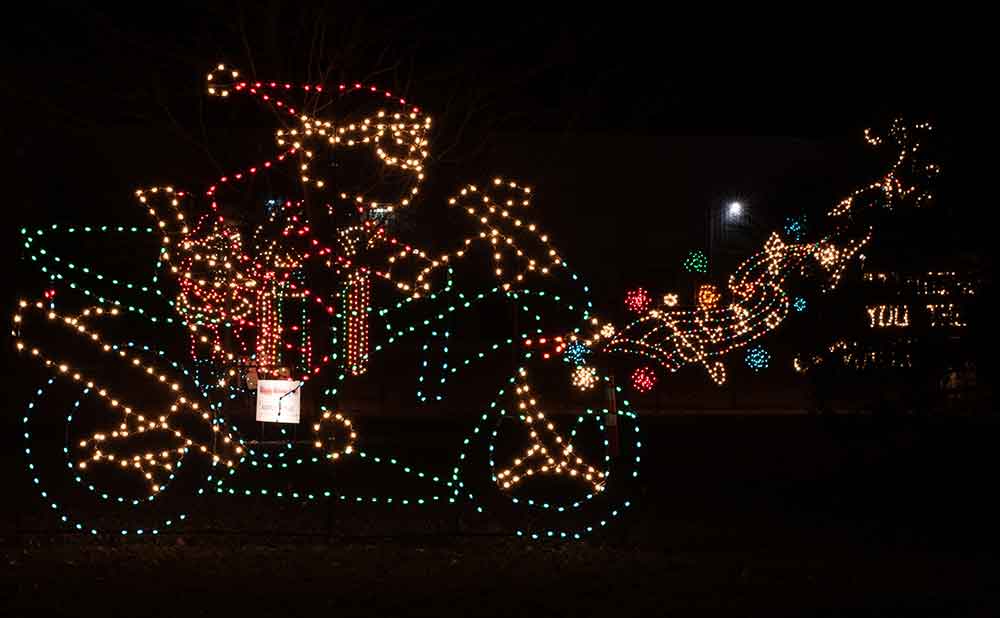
(902, 324)
(708, 296)
(882, 316)
(275, 298)
(549, 455)
(758, 301)
(152, 465)
(758, 359)
(576, 353)
(584, 377)
(795, 228)
(696, 262)
(859, 356)
(933, 283)
(291, 294)
(644, 379)
(357, 297)
(638, 300)
(799, 304)
(945, 315)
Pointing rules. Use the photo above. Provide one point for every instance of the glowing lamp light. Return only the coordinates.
(734, 209)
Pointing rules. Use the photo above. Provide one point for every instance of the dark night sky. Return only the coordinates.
(629, 124)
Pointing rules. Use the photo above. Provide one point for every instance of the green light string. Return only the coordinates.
(467, 303)
(36, 479)
(41, 254)
(287, 457)
(496, 411)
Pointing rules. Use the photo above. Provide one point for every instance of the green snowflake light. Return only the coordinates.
(696, 262)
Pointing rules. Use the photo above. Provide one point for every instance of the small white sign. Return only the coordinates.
(278, 401)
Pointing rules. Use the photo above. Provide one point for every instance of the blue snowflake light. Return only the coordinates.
(799, 304)
(576, 353)
(758, 359)
(795, 227)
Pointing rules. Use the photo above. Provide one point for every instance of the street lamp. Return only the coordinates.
(732, 213)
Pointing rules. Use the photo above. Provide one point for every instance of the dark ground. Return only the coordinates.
(780, 516)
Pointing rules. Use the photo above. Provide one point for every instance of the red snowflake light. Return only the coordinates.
(638, 300)
(643, 379)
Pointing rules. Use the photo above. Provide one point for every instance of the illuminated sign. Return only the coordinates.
(278, 401)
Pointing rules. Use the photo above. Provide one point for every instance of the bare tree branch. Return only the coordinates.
(246, 43)
(158, 97)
